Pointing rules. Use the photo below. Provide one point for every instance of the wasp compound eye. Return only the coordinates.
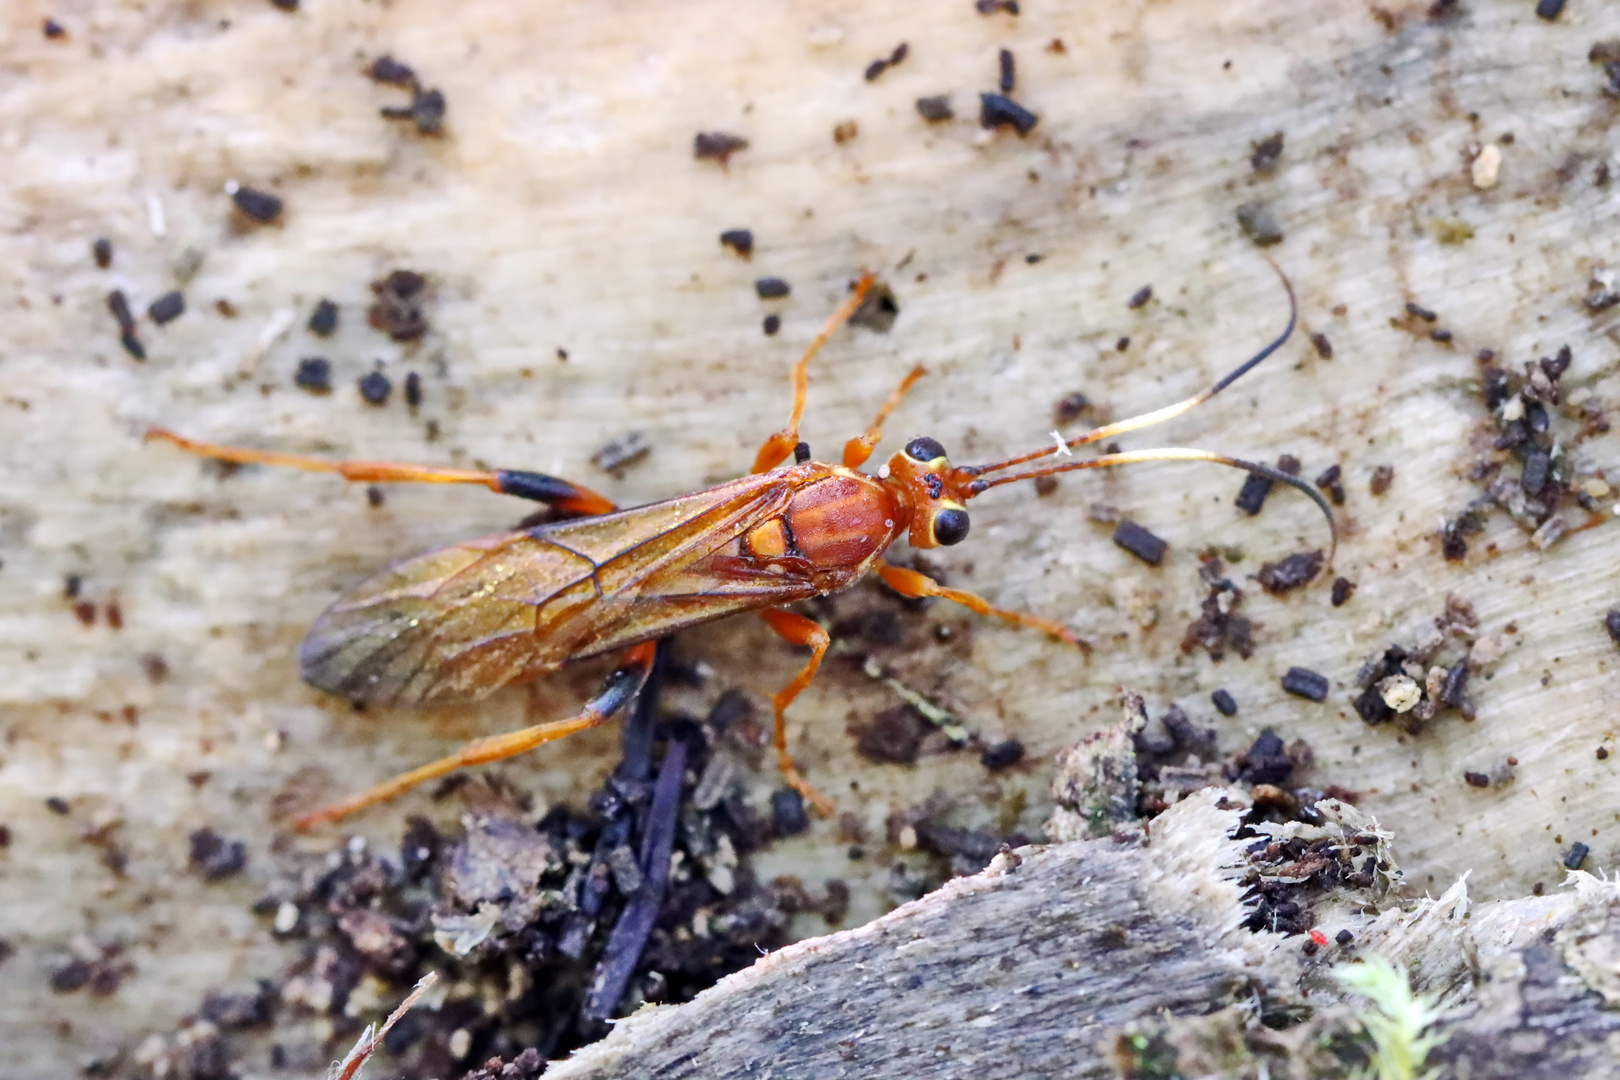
(950, 527)
(924, 449)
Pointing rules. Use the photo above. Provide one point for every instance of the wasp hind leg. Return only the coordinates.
(797, 630)
(566, 496)
(618, 690)
(915, 586)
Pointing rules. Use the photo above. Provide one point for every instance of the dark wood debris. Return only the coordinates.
(167, 308)
(1219, 627)
(396, 309)
(1290, 573)
(936, 109)
(882, 64)
(1259, 224)
(214, 857)
(1343, 589)
(1140, 542)
(258, 206)
(375, 388)
(314, 375)
(324, 319)
(1305, 683)
(998, 110)
(717, 146)
(740, 241)
(1265, 153)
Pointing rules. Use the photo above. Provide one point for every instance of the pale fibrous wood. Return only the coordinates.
(577, 292)
(1047, 961)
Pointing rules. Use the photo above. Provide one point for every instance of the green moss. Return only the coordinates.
(1403, 1026)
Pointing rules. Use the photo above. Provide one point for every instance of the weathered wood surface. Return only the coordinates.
(1052, 960)
(563, 210)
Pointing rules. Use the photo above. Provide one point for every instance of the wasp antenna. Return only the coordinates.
(1136, 457)
(1169, 412)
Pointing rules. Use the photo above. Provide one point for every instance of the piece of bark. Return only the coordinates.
(1067, 960)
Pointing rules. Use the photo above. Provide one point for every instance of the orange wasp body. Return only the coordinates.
(454, 624)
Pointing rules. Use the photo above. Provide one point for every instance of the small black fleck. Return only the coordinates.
(385, 69)
(375, 495)
(53, 29)
(936, 109)
(1476, 779)
(215, 857)
(1611, 623)
(1225, 703)
(1555, 366)
(1070, 407)
(1603, 753)
(1537, 466)
(1309, 948)
(1002, 755)
(1259, 224)
(58, 805)
(1344, 937)
(324, 319)
(1264, 154)
(622, 452)
(882, 64)
(285, 5)
(1329, 480)
(990, 7)
(998, 110)
(72, 585)
(1305, 683)
(1140, 297)
(1440, 334)
(314, 375)
(1549, 9)
(1343, 589)
(118, 304)
(1290, 573)
(1577, 855)
(1122, 344)
(1009, 71)
(375, 388)
(773, 323)
(1033, 257)
(739, 240)
(132, 345)
(101, 249)
(787, 812)
(1419, 311)
(1324, 347)
(1139, 542)
(717, 146)
(167, 308)
(413, 390)
(70, 976)
(260, 206)
(771, 288)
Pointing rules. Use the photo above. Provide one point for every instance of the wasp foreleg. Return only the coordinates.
(909, 583)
